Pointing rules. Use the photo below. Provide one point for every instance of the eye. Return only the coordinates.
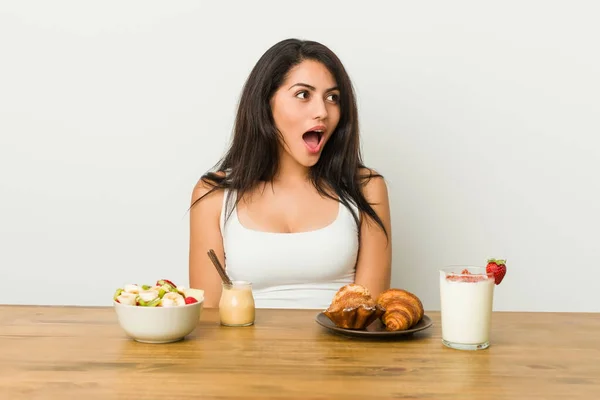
(302, 95)
(334, 98)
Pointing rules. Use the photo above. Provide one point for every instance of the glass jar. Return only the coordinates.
(236, 306)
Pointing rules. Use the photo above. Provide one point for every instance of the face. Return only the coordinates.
(306, 111)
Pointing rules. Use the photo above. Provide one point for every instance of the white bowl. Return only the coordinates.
(158, 324)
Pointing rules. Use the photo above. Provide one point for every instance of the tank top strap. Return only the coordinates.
(226, 211)
(223, 210)
(353, 209)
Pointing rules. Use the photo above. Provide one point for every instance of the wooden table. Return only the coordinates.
(82, 353)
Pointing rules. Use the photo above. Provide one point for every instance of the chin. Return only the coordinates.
(308, 162)
(304, 158)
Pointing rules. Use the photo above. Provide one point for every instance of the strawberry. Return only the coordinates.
(496, 268)
(190, 300)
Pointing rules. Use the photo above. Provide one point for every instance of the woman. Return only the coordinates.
(290, 207)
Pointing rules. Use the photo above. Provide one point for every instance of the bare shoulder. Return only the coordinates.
(373, 186)
(205, 197)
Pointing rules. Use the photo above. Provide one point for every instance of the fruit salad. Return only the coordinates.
(162, 294)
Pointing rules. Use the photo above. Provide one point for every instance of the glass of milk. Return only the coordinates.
(466, 295)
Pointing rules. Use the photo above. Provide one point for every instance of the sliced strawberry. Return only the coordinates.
(466, 276)
(463, 278)
(190, 300)
(496, 268)
(474, 278)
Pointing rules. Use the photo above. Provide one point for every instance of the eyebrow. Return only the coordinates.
(306, 85)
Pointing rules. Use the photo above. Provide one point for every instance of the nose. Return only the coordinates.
(320, 109)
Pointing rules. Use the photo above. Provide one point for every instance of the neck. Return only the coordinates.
(290, 171)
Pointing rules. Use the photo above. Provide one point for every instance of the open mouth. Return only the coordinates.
(313, 139)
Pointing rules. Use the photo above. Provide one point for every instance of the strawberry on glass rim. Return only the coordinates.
(497, 268)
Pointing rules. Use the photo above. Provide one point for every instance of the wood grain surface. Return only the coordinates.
(82, 353)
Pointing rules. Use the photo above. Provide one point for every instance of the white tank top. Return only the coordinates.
(291, 270)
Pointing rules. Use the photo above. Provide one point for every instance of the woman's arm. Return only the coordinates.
(374, 265)
(205, 234)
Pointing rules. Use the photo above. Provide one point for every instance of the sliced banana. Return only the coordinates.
(127, 298)
(148, 295)
(132, 288)
(198, 294)
(172, 299)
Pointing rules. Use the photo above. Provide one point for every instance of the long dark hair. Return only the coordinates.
(253, 156)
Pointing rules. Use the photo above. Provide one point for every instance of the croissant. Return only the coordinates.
(353, 307)
(402, 309)
(352, 296)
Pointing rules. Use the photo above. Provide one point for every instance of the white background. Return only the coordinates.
(484, 118)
